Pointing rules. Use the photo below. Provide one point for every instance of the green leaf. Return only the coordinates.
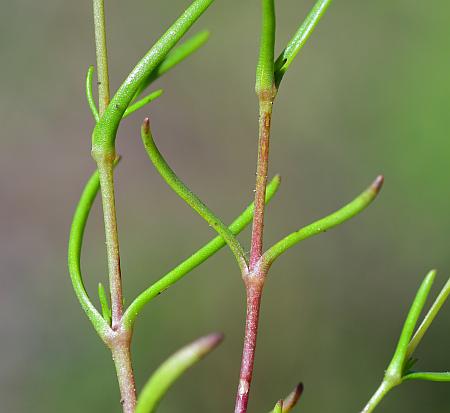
(299, 39)
(141, 103)
(175, 56)
(428, 376)
(106, 311)
(188, 196)
(74, 254)
(396, 367)
(90, 94)
(429, 318)
(336, 218)
(166, 375)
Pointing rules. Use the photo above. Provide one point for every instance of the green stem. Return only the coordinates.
(266, 92)
(120, 349)
(102, 55)
(105, 171)
(384, 388)
(120, 344)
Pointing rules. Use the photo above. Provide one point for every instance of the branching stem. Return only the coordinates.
(255, 275)
(120, 345)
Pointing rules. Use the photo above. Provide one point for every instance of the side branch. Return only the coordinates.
(336, 218)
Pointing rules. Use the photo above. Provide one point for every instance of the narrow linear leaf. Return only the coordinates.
(90, 94)
(175, 56)
(443, 377)
(74, 254)
(142, 102)
(299, 39)
(104, 135)
(429, 318)
(344, 214)
(166, 375)
(195, 259)
(106, 311)
(396, 367)
(188, 196)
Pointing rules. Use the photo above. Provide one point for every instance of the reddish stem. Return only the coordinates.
(120, 348)
(265, 115)
(255, 276)
(254, 287)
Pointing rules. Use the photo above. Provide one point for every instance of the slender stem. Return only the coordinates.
(122, 360)
(261, 182)
(254, 293)
(265, 91)
(255, 276)
(384, 388)
(120, 345)
(105, 171)
(102, 55)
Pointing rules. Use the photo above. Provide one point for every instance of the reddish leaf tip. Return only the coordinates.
(378, 183)
(146, 126)
(293, 397)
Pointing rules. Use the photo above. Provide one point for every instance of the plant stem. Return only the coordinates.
(384, 388)
(120, 344)
(255, 275)
(105, 170)
(254, 287)
(102, 55)
(120, 349)
(265, 115)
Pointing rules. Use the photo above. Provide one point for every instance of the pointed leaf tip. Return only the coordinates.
(146, 126)
(291, 400)
(166, 375)
(378, 183)
(207, 343)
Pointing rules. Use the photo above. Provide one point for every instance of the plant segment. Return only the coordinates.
(399, 369)
(269, 74)
(113, 324)
(254, 268)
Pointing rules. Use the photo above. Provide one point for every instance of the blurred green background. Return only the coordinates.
(369, 94)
